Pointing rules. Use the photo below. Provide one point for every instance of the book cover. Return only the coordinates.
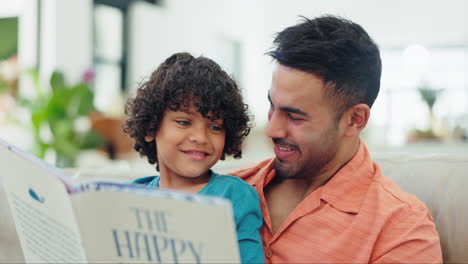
(101, 222)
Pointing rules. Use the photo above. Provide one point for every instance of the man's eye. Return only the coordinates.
(295, 118)
(183, 122)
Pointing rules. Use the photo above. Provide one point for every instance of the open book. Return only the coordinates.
(60, 221)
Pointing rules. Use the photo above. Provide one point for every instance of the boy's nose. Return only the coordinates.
(198, 135)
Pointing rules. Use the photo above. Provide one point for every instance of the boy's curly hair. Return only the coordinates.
(182, 80)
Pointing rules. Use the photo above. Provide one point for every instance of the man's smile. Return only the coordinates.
(284, 150)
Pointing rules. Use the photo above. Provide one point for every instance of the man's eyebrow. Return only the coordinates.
(290, 109)
(293, 110)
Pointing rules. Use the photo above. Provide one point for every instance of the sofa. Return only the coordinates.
(440, 181)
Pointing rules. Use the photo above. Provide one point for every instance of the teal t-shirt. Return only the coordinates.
(246, 208)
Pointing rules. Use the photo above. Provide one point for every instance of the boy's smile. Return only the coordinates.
(196, 154)
(187, 145)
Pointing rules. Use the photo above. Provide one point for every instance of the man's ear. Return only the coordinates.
(355, 119)
(149, 138)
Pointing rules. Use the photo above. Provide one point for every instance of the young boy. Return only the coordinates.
(186, 117)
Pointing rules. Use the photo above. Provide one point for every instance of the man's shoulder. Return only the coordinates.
(248, 173)
(404, 223)
(389, 197)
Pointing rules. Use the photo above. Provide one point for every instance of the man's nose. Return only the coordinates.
(276, 127)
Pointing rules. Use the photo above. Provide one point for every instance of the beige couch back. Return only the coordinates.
(440, 181)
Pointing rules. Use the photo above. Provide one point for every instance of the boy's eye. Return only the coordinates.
(183, 122)
(216, 128)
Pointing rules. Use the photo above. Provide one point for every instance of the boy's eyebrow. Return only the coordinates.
(186, 111)
(290, 109)
(209, 116)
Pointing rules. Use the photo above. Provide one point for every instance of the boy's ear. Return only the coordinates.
(149, 138)
(355, 119)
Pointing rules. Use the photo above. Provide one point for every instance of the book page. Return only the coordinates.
(126, 224)
(41, 209)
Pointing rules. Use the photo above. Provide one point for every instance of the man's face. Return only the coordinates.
(302, 124)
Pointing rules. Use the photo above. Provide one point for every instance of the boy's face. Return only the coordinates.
(188, 144)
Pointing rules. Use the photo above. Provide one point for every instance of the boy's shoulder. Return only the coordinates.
(144, 180)
(232, 186)
(230, 180)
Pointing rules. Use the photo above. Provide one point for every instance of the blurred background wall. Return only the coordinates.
(422, 105)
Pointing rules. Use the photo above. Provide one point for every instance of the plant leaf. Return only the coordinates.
(92, 140)
(82, 99)
(34, 75)
(57, 81)
(38, 119)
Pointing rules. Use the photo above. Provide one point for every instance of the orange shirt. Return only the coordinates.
(359, 216)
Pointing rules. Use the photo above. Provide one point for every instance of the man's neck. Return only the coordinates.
(306, 184)
(283, 195)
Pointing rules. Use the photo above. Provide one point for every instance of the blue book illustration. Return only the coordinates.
(35, 196)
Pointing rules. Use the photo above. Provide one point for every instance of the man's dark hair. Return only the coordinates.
(182, 80)
(338, 51)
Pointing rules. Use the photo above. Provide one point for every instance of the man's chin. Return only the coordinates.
(283, 169)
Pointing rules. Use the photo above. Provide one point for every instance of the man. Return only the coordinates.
(323, 199)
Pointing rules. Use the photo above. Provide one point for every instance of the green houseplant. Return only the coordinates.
(429, 95)
(58, 110)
